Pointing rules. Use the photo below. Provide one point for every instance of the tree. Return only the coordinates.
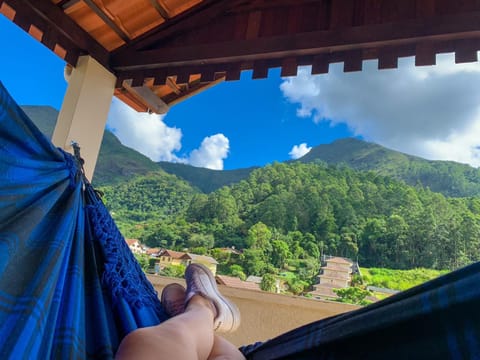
(373, 246)
(312, 250)
(269, 283)
(296, 286)
(177, 271)
(237, 271)
(353, 295)
(253, 262)
(142, 261)
(201, 250)
(348, 244)
(259, 236)
(280, 253)
(201, 240)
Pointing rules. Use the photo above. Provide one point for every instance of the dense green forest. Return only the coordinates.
(286, 215)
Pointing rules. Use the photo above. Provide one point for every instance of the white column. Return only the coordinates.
(84, 110)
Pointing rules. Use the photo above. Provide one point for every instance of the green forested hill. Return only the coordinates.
(448, 177)
(44, 117)
(116, 162)
(206, 180)
(300, 209)
(151, 198)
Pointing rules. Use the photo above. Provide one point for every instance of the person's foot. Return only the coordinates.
(173, 299)
(200, 281)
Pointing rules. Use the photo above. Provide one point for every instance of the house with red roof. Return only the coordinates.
(170, 257)
(135, 246)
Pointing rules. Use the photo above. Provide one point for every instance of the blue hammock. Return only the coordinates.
(70, 287)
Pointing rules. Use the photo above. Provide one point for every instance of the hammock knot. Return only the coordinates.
(75, 165)
(73, 170)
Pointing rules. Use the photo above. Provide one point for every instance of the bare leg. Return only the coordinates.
(224, 350)
(186, 336)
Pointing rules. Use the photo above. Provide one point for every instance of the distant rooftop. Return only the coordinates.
(235, 282)
(338, 260)
(131, 241)
(201, 258)
(171, 253)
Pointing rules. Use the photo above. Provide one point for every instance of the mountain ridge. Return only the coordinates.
(117, 163)
(448, 177)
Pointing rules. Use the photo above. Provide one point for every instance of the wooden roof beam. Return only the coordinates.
(453, 27)
(60, 23)
(160, 7)
(107, 20)
(201, 14)
(146, 96)
(193, 90)
(268, 4)
(65, 4)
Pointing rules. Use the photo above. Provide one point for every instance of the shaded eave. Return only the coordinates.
(163, 51)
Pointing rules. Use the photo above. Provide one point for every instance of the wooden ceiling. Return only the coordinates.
(163, 51)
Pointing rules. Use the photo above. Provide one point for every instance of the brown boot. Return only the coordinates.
(173, 299)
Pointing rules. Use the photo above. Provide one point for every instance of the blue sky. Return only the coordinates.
(433, 112)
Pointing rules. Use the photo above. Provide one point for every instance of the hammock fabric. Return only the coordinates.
(437, 320)
(70, 287)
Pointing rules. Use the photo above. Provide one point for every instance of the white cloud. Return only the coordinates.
(432, 112)
(211, 153)
(146, 133)
(149, 135)
(299, 150)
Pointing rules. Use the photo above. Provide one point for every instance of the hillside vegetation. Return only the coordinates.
(447, 177)
(302, 209)
(206, 180)
(349, 198)
(398, 279)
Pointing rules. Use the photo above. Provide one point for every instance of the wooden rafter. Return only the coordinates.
(110, 22)
(59, 26)
(199, 15)
(65, 4)
(453, 27)
(266, 4)
(159, 6)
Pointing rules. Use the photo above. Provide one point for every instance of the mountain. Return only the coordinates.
(117, 163)
(206, 180)
(44, 117)
(447, 177)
